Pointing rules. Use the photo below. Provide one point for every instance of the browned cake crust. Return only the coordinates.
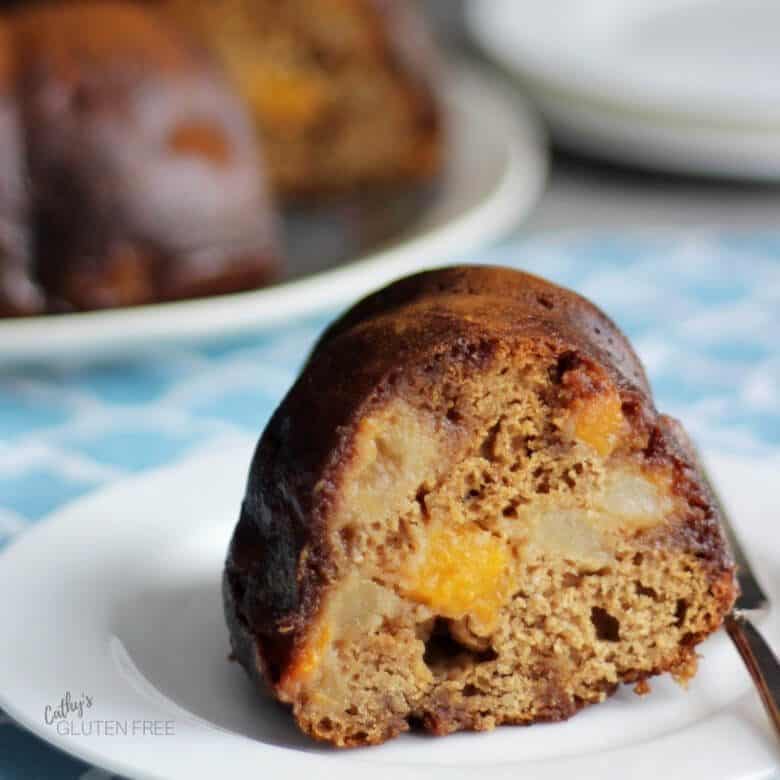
(142, 176)
(342, 91)
(470, 468)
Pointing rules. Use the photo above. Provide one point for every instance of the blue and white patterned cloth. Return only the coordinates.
(702, 310)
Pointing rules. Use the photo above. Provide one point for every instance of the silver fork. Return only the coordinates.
(759, 659)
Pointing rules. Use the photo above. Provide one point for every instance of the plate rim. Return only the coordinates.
(57, 338)
(584, 765)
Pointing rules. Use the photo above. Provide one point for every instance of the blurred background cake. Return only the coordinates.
(150, 127)
(132, 172)
(342, 91)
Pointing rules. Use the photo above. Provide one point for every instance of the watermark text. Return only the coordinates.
(70, 717)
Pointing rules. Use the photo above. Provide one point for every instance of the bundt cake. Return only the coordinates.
(130, 171)
(467, 512)
(342, 91)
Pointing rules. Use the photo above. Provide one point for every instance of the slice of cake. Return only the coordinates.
(467, 512)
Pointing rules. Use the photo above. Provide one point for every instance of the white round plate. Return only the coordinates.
(117, 598)
(495, 172)
(684, 85)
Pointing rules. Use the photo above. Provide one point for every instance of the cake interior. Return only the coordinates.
(505, 552)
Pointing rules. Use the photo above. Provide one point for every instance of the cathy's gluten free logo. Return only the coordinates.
(71, 716)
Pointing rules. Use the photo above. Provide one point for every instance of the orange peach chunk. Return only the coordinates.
(463, 572)
(598, 422)
(308, 658)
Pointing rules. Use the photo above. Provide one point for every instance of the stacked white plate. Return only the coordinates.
(691, 86)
